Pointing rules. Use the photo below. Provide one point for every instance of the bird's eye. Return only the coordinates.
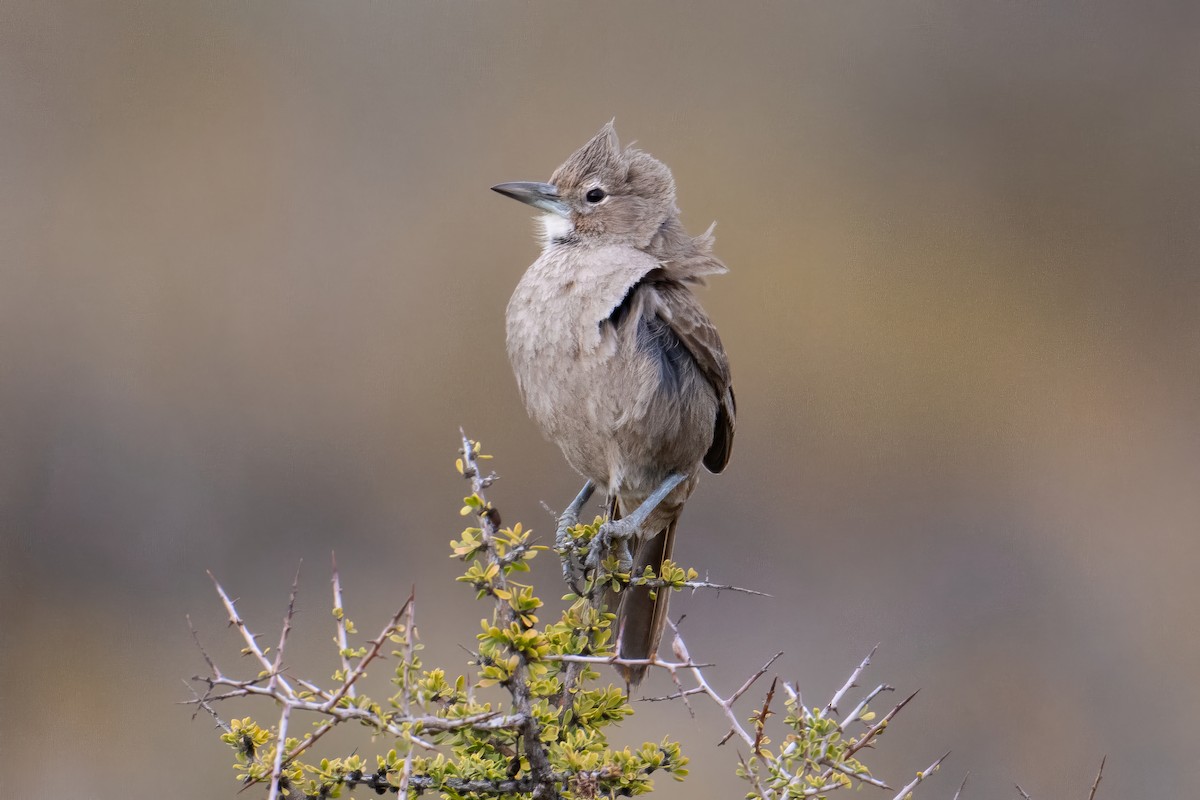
(595, 195)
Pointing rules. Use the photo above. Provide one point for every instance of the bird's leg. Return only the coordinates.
(623, 530)
(562, 538)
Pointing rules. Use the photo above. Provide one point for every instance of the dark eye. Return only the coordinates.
(595, 195)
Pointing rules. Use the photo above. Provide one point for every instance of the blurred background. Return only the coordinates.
(253, 280)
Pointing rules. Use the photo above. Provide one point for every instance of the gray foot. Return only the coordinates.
(564, 544)
(615, 536)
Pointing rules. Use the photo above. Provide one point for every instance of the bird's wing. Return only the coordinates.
(681, 311)
(657, 287)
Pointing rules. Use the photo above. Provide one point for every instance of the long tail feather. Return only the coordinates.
(642, 612)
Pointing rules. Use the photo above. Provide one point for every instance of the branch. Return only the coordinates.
(658, 583)
(921, 776)
(250, 638)
(201, 703)
(702, 685)
(1099, 775)
(518, 682)
(277, 770)
(287, 626)
(347, 687)
(875, 729)
(339, 613)
(832, 706)
(961, 786)
(544, 672)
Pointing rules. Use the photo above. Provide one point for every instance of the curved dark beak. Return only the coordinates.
(539, 195)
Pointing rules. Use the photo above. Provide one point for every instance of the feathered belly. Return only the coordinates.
(619, 419)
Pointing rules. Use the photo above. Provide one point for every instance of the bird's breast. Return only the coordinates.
(593, 390)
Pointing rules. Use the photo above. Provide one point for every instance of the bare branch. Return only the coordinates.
(406, 775)
(832, 706)
(681, 651)
(339, 613)
(962, 786)
(409, 640)
(615, 660)
(287, 625)
(196, 638)
(858, 776)
(277, 770)
(874, 730)
(921, 776)
(659, 583)
(250, 639)
(202, 703)
(862, 706)
(750, 681)
(1099, 775)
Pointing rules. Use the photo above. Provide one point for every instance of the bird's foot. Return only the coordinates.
(614, 537)
(564, 545)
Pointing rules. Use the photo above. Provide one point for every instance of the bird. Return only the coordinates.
(618, 364)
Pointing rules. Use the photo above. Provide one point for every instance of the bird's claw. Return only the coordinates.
(613, 534)
(565, 545)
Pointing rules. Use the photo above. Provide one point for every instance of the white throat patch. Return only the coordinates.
(555, 227)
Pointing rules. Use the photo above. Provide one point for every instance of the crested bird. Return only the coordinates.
(617, 362)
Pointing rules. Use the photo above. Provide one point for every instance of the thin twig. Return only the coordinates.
(658, 583)
(410, 635)
(752, 776)
(874, 730)
(701, 683)
(277, 770)
(858, 776)
(962, 785)
(287, 626)
(376, 644)
(922, 775)
(196, 638)
(406, 775)
(615, 660)
(832, 706)
(1099, 775)
(733, 698)
(202, 703)
(250, 639)
(339, 613)
(862, 706)
(760, 719)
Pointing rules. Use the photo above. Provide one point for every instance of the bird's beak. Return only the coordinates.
(539, 195)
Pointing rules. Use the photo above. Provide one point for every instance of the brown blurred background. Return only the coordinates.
(253, 281)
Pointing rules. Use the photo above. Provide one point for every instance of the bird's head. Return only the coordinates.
(602, 194)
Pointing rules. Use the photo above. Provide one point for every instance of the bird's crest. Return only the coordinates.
(600, 158)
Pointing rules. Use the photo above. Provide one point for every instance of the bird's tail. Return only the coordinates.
(641, 612)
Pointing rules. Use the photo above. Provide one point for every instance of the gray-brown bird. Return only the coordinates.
(616, 360)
